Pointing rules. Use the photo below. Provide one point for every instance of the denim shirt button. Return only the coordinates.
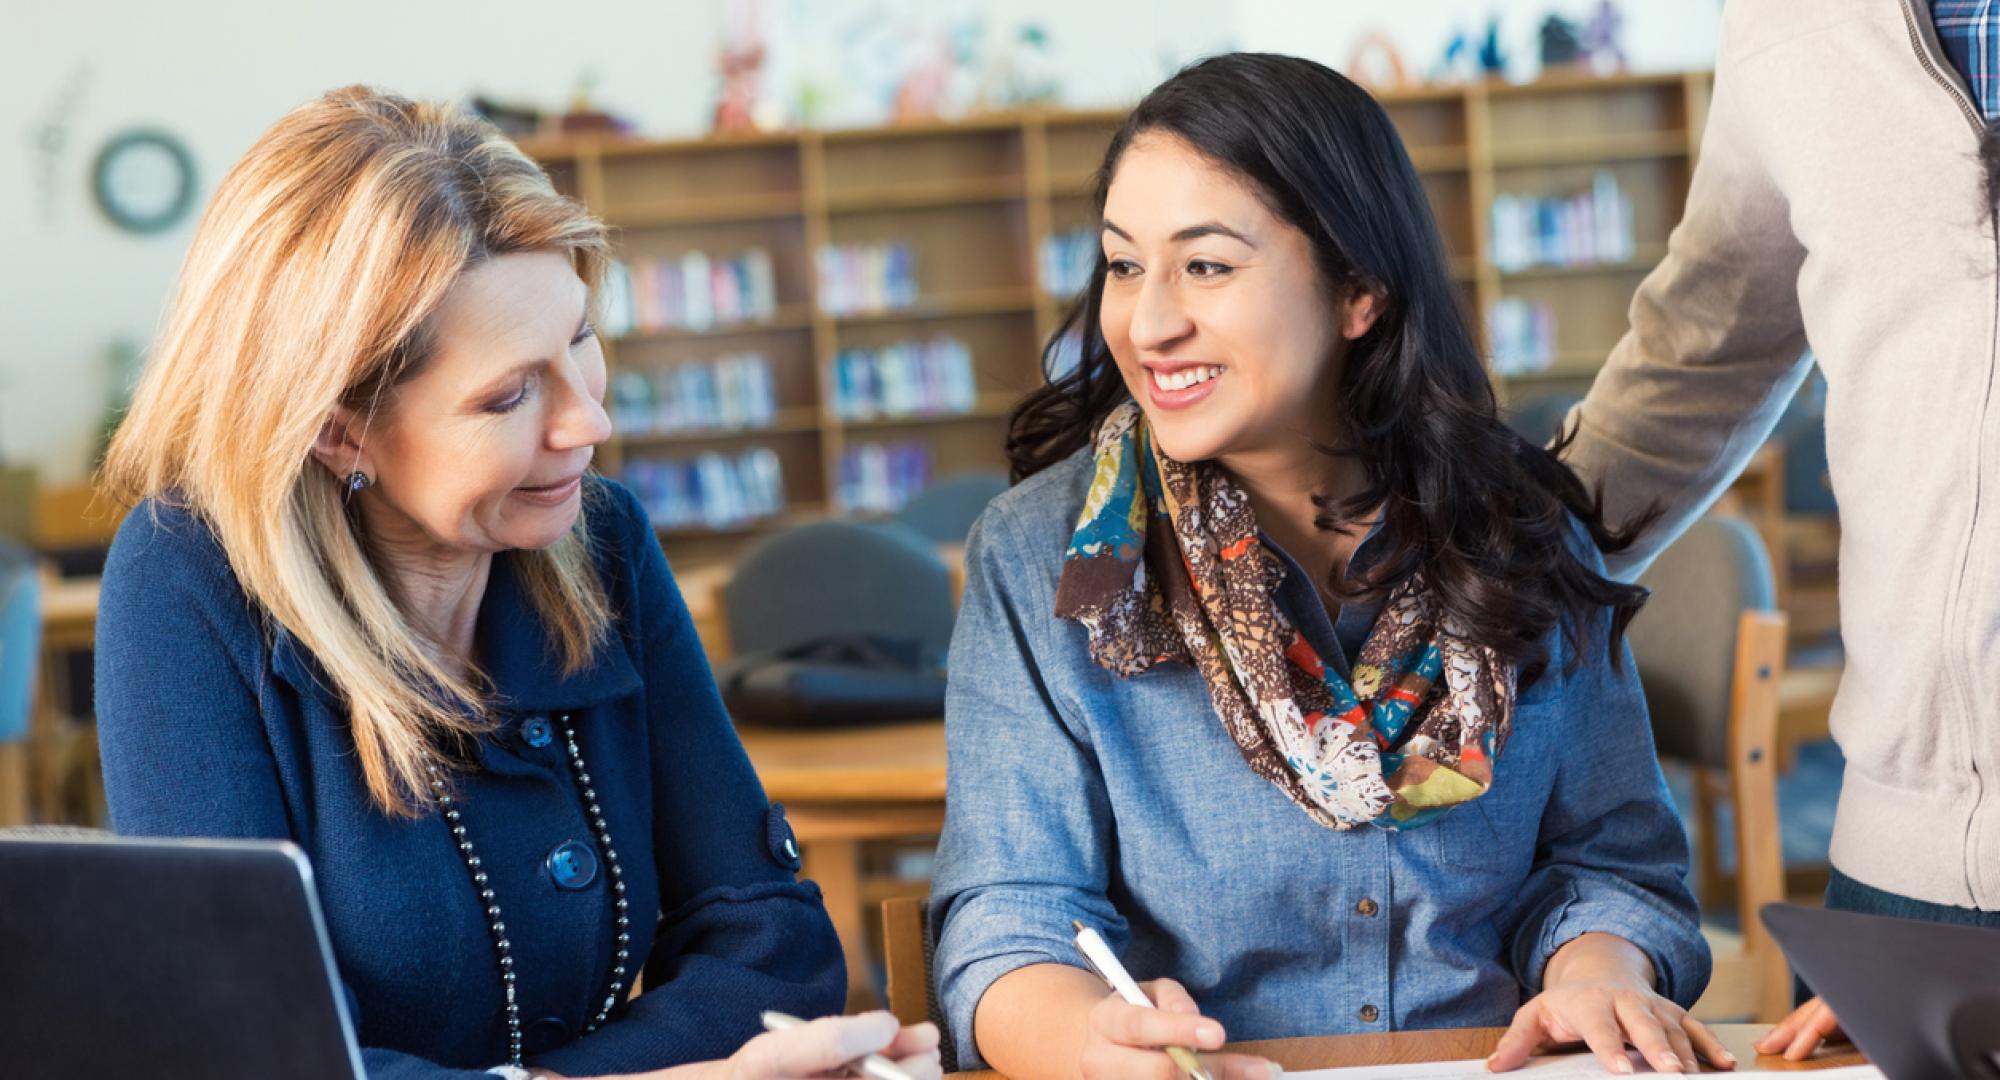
(1366, 908)
(1369, 1013)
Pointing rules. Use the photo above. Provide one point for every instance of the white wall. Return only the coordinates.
(217, 72)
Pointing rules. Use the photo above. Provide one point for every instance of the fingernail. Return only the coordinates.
(1210, 1035)
(1273, 1071)
(1725, 1057)
(1673, 1062)
(1622, 1066)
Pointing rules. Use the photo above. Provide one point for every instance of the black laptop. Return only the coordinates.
(151, 958)
(1921, 999)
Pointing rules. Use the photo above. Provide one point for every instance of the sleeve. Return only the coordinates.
(1028, 827)
(178, 712)
(738, 933)
(1611, 855)
(1716, 346)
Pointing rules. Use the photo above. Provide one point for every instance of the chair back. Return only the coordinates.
(839, 578)
(944, 512)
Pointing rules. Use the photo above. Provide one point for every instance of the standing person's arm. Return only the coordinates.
(1716, 347)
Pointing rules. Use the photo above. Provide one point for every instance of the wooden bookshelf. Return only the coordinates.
(974, 201)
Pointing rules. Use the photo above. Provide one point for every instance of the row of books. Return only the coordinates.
(880, 477)
(726, 393)
(696, 291)
(908, 378)
(857, 278)
(1522, 335)
(1066, 260)
(1583, 229)
(712, 491)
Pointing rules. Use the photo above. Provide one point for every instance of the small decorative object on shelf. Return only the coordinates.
(859, 278)
(878, 478)
(711, 491)
(908, 378)
(693, 292)
(1521, 336)
(1585, 229)
(728, 393)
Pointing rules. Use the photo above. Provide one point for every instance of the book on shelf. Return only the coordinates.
(1066, 261)
(1522, 335)
(727, 393)
(708, 491)
(880, 477)
(859, 278)
(1583, 229)
(908, 378)
(695, 291)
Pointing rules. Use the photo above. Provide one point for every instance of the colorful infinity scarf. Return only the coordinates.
(1166, 564)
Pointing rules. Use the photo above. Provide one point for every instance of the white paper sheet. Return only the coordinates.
(1554, 1067)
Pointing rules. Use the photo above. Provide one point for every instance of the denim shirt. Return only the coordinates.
(1075, 794)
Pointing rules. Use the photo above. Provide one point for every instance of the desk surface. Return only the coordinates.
(1402, 1047)
(890, 763)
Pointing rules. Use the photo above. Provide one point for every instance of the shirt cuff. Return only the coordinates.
(1678, 952)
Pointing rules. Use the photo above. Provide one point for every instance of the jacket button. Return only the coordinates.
(537, 732)
(1366, 908)
(573, 865)
(544, 1035)
(1369, 1013)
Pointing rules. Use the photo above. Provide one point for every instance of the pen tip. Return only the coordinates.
(1078, 924)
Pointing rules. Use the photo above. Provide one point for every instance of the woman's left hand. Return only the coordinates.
(1598, 990)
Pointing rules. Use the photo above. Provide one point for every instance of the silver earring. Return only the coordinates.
(357, 480)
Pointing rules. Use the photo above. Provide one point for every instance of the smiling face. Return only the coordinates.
(1221, 323)
(484, 449)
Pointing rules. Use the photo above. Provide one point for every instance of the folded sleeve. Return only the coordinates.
(1028, 826)
(739, 934)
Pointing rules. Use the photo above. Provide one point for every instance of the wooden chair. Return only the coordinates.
(906, 953)
(1712, 654)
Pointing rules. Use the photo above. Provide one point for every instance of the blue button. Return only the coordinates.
(573, 865)
(538, 732)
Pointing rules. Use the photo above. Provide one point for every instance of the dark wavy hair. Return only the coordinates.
(1482, 514)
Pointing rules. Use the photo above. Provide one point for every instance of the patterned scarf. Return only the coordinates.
(1166, 565)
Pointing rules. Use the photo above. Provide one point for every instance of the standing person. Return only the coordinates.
(373, 601)
(1840, 201)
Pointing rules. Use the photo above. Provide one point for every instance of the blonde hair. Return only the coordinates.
(307, 286)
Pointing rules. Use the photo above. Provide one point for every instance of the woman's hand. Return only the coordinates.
(1801, 1033)
(821, 1048)
(1127, 1042)
(1598, 990)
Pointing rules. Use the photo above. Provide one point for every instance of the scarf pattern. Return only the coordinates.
(1167, 565)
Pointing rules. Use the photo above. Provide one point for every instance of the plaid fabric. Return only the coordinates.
(1969, 30)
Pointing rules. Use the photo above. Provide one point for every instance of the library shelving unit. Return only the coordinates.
(973, 203)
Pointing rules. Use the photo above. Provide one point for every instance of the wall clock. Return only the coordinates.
(144, 180)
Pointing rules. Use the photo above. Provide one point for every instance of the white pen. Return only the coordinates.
(874, 1065)
(1103, 961)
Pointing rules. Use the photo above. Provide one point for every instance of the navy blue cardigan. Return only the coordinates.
(215, 724)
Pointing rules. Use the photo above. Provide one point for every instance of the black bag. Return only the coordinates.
(847, 681)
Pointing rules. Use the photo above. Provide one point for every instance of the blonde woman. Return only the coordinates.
(373, 601)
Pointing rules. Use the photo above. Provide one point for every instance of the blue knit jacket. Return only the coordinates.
(216, 723)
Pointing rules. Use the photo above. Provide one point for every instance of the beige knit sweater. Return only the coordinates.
(1838, 205)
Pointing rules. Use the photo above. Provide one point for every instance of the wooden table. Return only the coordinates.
(1405, 1047)
(842, 788)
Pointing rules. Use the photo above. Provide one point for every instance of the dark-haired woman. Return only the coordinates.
(1286, 665)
